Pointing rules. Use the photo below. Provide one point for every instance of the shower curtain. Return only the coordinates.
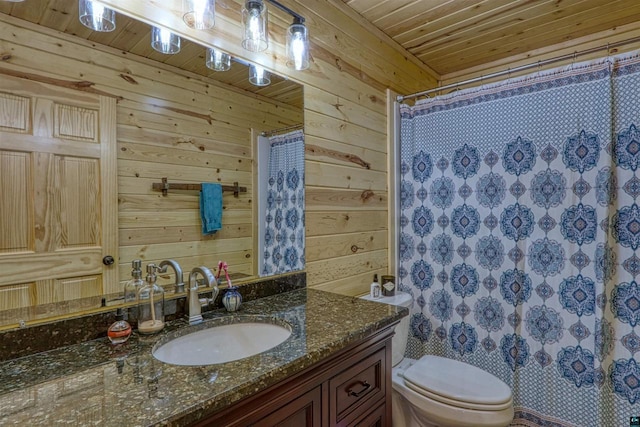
(284, 235)
(520, 237)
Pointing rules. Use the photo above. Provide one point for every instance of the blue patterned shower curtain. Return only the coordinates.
(285, 234)
(520, 237)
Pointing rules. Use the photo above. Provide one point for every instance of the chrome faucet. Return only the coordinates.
(195, 305)
(179, 284)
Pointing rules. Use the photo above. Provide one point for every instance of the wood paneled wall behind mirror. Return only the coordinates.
(88, 122)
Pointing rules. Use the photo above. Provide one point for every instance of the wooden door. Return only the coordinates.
(58, 200)
(303, 411)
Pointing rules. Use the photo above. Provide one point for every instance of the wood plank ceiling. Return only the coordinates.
(449, 36)
(135, 37)
(454, 35)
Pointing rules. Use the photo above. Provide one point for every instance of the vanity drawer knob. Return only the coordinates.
(108, 260)
(365, 386)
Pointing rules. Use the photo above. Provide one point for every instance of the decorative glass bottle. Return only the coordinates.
(150, 304)
(133, 286)
(120, 330)
(232, 299)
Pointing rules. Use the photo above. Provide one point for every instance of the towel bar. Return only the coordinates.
(165, 186)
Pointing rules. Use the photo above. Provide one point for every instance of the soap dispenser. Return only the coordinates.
(150, 304)
(133, 286)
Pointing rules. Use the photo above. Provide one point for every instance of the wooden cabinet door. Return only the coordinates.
(376, 418)
(58, 199)
(303, 411)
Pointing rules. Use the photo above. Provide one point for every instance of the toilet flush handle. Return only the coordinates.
(365, 386)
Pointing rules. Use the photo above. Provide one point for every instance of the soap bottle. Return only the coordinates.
(120, 330)
(150, 304)
(133, 286)
(375, 287)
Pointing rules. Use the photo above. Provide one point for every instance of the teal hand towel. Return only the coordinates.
(211, 207)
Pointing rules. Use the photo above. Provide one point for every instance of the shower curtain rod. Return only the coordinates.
(573, 55)
(285, 129)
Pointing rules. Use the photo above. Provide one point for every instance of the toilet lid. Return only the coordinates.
(457, 383)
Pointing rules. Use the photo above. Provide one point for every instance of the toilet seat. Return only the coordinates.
(457, 384)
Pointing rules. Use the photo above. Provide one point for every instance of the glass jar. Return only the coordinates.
(132, 287)
(150, 304)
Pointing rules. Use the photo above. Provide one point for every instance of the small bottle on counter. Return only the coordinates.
(150, 304)
(375, 287)
(120, 330)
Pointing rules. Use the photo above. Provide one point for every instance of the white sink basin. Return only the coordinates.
(221, 344)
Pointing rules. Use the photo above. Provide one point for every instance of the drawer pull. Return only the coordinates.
(365, 386)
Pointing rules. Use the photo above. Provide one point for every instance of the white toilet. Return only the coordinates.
(436, 391)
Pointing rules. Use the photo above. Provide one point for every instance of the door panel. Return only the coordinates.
(16, 219)
(58, 199)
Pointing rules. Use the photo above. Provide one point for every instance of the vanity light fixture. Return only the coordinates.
(96, 16)
(218, 60)
(164, 41)
(255, 38)
(258, 76)
(298, 45)
(254, 24)
(199, 14)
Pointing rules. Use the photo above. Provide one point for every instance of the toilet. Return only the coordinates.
(436, 391)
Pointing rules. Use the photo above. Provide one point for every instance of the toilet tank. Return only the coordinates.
(399, 340)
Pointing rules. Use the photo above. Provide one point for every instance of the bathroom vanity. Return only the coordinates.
(351, 388)
(333, 370)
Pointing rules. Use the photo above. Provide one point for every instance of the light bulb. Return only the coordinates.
(199, 14)
(255, 22)
(218, 60)
(298, 50)
(258, 76)
(98, 11)
(165, 37)
(164, 41)
(254, 25)
(96, 16)
(298, 46)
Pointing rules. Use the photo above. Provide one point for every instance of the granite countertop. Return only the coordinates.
(96, 383)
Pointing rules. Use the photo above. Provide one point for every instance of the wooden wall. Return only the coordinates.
(345, 126)
(170, 123)
(173, 124)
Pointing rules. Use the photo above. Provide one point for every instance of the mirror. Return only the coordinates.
(175, 118)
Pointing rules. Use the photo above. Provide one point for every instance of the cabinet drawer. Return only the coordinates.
(358, 388)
